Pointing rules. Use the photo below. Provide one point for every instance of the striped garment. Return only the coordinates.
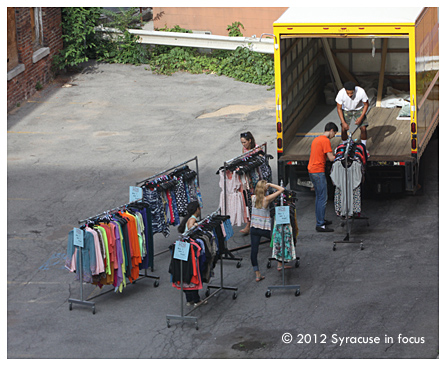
(260, 217)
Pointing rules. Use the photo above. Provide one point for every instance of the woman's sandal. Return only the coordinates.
(258, 279)
(245, 232)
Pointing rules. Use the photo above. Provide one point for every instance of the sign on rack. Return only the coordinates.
(181, 250)
(282, 215)
(135, 193)
(78, 239)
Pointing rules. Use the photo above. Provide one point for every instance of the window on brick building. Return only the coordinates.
(36, 27)
(12, 53)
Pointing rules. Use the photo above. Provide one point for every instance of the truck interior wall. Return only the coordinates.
(362, 56)
(302, 81)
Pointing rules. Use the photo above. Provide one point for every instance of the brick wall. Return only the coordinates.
(23, 86)
(255, 20)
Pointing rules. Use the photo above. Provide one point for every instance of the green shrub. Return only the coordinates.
(78, 36)
(241, 64)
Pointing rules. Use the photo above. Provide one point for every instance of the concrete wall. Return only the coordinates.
(34, 64)
(256, 20)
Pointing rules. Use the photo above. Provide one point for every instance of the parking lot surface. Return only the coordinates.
(74, 149)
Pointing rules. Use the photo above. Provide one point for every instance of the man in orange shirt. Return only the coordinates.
(320, 151)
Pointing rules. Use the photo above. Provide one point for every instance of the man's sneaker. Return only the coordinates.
(323, 229)
(328, 222)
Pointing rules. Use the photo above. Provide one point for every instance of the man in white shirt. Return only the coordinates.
(352, 107)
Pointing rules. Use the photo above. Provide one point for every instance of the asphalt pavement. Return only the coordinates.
(73, 150)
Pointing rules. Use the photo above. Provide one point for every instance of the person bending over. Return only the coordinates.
(352, 105)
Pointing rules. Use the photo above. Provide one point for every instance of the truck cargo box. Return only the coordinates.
(393, 53)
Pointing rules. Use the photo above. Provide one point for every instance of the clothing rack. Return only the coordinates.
(292, 196)
(185, 317)
(283, 286)
(88, 302)
(347, 220)
(170, 169)
(226, 165)
(164, 172)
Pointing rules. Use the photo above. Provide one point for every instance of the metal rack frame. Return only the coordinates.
(87, 302)
(169, 170)
(283, 286)
(226, 164)
(185, 317)
(346, 222)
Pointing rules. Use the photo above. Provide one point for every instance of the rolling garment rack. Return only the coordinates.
(238, 159)
(88, 302)
(348, 203)
(283, 286)
(164, 172)
(292, 196)
(186, 317)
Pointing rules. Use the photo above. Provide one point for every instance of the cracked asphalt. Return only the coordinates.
(74, 149)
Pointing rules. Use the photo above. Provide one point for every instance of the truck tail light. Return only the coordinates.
(279, 127)
(414, 144)
(413, 127)
(279, 143)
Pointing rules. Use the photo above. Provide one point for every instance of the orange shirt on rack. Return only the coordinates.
(136, 259)
(111, 253)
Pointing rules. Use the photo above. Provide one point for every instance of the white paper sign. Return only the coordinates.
(181, 250)
(282, 215)
(78, 238)
(135, 193)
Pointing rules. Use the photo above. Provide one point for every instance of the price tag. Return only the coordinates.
(282, 215)
(78, 237)
(181, 250)
(135, 193)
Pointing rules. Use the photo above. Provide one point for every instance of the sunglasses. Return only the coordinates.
(244, 134)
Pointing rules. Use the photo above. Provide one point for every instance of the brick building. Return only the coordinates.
(34, 36)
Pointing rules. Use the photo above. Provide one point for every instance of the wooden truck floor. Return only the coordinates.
(388, 139)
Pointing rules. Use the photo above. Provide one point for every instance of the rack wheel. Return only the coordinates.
(156, 283)
(362, 246)
(94, 310)
(297, 264)
(334, 247)
(207, 293)
(196, 325)
(268, 264)
(234, 295)
(297, 293)
(168, 324)
(70, 306)
(268, 293)
(239, 264)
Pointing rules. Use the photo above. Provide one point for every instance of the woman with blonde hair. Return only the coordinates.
(261, 219)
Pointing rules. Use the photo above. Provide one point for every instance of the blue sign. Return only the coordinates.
(282, 215)
(78, 238)
(181, 250)
(135, 193)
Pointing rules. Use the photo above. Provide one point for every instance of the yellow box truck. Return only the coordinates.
(393, 53)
